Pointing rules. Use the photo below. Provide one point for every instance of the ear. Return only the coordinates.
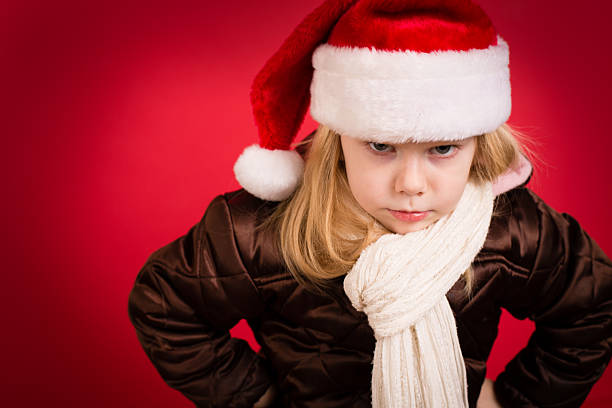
(516, 175)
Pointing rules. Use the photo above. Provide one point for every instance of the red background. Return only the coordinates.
(122, 121)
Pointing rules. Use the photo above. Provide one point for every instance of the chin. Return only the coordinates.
(405, 229)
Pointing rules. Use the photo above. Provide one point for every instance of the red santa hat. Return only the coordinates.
(387, 71)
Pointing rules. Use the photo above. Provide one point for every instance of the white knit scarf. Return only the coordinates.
(400, 282)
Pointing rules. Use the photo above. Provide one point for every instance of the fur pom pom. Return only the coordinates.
(269, 174)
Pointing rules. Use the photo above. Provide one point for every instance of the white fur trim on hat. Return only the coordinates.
(269, 174)
(401, 96)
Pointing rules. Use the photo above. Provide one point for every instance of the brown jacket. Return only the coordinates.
(536, 263)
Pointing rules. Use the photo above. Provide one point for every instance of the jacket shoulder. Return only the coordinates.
(212, 255)
(514, 232)
(256, 246)
(543, 253)
(529, 233)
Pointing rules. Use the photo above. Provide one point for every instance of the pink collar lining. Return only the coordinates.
(517, 174)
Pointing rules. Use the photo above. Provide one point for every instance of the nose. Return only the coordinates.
(410, 178)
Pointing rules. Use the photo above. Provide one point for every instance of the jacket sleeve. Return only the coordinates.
(565, 287)
(185, 299)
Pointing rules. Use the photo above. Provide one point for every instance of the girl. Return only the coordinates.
(371, 262)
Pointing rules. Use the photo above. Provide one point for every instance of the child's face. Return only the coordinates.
(407, 186)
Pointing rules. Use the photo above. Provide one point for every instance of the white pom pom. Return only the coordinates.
(269, 174)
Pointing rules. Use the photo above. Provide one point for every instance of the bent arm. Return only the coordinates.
(568, 294)
(182, 308)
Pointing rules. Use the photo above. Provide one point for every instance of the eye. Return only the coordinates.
(444, 150)
(380, 147)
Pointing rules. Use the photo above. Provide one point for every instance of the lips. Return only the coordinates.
(410, 216)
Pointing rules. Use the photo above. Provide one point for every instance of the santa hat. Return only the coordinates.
(388, 71)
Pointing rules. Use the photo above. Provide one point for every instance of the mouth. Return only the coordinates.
(409, 215)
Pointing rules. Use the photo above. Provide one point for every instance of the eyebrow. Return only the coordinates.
(434, 143)
(448, 142)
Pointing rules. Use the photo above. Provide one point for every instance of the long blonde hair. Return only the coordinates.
(322, 229)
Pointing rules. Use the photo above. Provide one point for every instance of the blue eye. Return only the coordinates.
(444, 150)
(380, 147)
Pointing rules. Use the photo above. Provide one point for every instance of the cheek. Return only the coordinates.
(366, 184)
(360, 183)
(456, 193)
(451, 188)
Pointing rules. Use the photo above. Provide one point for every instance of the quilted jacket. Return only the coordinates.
(536, 263)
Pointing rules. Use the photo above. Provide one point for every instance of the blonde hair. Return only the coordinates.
(321, 229)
